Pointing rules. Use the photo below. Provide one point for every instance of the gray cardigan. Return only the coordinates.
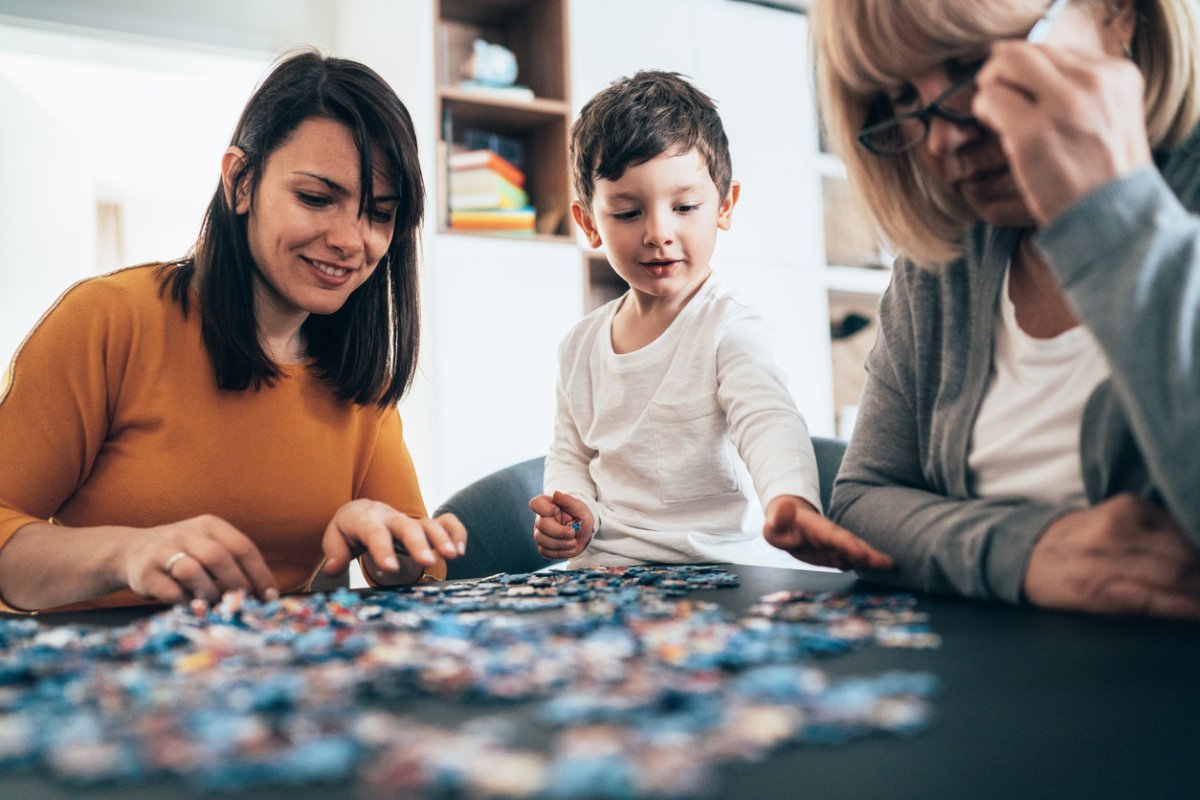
(1128, 256)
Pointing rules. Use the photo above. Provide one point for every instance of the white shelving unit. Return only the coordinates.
(856, 280)
(856, 271)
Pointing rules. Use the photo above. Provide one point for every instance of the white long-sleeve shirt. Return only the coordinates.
(671, 446)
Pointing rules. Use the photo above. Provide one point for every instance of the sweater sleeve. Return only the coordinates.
(1135, 282)
(764, 424)
(569, 460)
(55, 404)
(940, 543)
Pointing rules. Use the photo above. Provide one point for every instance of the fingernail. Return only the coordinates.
(271, 594)
(426, 555)
(391, 563)
(462, 548)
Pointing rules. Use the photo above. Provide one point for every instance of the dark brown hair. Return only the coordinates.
(636, 119)
(367, 350)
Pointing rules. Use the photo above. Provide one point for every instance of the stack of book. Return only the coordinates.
(487, 193)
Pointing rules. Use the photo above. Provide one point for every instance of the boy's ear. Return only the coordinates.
(584, 220)
(725, 213)
(231, 164)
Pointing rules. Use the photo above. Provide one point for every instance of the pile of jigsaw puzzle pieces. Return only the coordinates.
(606, 683)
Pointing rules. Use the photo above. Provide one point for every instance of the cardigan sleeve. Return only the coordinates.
(885, 494)
(1135, 282)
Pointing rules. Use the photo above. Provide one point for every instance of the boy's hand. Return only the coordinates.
(563, 527)
(795, 526)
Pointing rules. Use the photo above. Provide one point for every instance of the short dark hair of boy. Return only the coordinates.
(636, 119)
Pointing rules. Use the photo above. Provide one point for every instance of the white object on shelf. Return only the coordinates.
(859, 280)
(830, 166)
(846, 417)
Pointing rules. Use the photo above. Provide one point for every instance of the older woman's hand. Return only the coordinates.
(1123, 556)
(1069, 122)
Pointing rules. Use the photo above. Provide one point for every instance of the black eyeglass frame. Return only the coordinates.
(1037, 35)
(924, 115)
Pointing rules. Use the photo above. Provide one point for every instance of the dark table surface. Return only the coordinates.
(1032, 704)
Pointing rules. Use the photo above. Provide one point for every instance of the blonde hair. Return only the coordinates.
(865, 47)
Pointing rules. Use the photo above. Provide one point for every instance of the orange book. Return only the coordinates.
(507, 219)
(475, 159)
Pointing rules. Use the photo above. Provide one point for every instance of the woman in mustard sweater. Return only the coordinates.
(229, 421)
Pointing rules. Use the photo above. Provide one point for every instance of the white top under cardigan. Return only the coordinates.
(661, 442)
(1026, 438)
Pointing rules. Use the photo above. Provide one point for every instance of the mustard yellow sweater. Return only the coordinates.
(110, 415)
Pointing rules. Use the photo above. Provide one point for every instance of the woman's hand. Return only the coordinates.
(1069, 120)
(564, 525)
(397, 544)
(793, 525)
(203, 556)
(1123, 556)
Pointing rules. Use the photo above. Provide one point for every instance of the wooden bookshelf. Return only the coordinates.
(600, 281)
(856, 272)
(536, 33)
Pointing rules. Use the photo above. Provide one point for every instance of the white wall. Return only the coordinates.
(86, 120)
(500, 310)
(47, 213)
(248, 25)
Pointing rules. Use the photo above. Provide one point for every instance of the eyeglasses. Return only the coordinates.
(898, 134)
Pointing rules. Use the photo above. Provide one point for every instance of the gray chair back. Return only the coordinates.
(829, 460)
(495, 512)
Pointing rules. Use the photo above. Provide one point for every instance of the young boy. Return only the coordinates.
(668, 394)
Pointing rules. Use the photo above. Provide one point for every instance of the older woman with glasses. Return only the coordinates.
(1032, 407)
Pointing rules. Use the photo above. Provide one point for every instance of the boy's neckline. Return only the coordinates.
(631, 342)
